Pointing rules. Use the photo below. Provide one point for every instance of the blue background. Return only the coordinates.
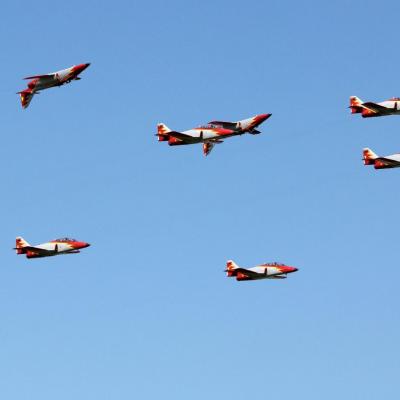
(147, 312)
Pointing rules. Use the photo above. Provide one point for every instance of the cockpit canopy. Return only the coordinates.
(274, 264)
(65, 240)
(210, 126)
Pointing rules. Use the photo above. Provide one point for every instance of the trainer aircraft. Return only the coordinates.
(53, 248)
(370, 158)
(40, 82)
(272, 270)
(212, 133)
(370, 109)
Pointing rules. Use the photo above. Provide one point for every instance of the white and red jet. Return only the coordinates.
(212, 133)
(53, 248)
(370, 158)
(370, 109)
(40, 82)
(263, 271)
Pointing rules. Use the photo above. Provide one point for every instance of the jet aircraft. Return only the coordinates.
(53, 248)
(212, 133)
(40, 82)
(370, 109)
(263, 271)
(370, 158)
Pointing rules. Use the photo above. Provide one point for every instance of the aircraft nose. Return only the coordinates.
(263, 117)
(82, 67)
(290, 269)
(84, 244)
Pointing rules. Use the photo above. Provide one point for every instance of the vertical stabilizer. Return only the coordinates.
(356, 105)
(162, 132)
(20, 243)
(369, 156)
(26, 97)
(230, 267)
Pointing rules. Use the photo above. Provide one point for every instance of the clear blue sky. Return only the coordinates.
(147, 312)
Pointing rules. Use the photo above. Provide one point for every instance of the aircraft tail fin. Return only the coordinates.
(26, 97)
(20, 243)
(230, 267)
(162, 132)
(356, 105)
(369, 156)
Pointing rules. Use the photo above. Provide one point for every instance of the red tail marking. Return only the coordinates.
(230, 266)
(23, 95)
(162, 133)
(355, 105)
(19, 245)
(368, 158)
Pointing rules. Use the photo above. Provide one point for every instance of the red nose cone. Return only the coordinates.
(288, 270)
(81, 245)
(81, 67)
(262, 117)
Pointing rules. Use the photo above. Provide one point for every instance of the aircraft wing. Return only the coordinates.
(37, 250)
(377, 108)
(248, 273)
(40, 76)
(388, 161)
(182, 136)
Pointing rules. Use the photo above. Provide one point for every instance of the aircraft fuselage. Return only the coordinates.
(265, 272)
(55, 79)
(371, 109)
(262, 271)
(47, 81)
(52, 248)
(211, 133)
(204, 134)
